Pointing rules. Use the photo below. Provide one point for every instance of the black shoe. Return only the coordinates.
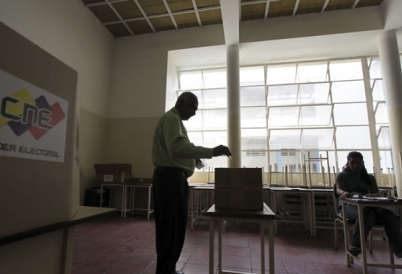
(354, 250)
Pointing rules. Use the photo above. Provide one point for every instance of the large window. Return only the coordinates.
(289, 111)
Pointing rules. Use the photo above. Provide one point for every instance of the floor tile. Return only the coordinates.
(115, 245)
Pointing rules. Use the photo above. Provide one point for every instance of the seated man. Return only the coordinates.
(354, 179)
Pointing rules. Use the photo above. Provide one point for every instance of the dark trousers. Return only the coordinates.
(171, 193)
(376, 216)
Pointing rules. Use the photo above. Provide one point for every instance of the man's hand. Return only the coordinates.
(221, 150)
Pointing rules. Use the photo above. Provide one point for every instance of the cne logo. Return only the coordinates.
(21, 112)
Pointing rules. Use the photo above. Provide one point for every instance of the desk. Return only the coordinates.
(196, 202)
(360, 203)
(264, 216)
(306, 204)
(132, 187)
(123, 207)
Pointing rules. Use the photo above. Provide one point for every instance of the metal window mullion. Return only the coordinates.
(267, 112)
(370, 113)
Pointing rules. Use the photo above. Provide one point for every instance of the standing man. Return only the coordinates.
(174, 158)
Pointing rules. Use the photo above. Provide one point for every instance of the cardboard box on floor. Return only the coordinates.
(238, 188)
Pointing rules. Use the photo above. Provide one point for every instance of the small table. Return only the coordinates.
(265, 216)
(360, 203)
(133, 186)
(123, 207)
(196, 201)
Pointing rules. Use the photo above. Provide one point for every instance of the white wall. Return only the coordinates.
(68, 31)
(140, 68)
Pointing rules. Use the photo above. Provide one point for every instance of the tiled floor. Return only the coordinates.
(114, 245)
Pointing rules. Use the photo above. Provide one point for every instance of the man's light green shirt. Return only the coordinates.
(171, 146)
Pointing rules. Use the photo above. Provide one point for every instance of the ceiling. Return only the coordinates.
(136, 17)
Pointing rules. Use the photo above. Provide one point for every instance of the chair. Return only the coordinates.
(339, 218)
(350, 224)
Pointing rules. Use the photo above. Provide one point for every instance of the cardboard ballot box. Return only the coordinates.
(238, 188)
(112, 173)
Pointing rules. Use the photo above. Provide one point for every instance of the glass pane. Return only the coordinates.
(253, 117)
(282, 95)
(250, 76)
(252, 96)
(197, 93)
(378, 90)
(196, 122)
(317, 138)
(352, 91)
(345, 70)
(281, 74)
(195, 137)
(381, 114)
(278, 160)
(386, 162)
(311, 72)
(314, 93)
(190, 80)
(214, 78)
(367, 157)
(353, 138)
(215, 119)
(284, 139)
(375, 69)
(255, 159)
(254, 139)
(215, 98)
(211, 164)
(215, 138)
(283, 116)
(384, 138)
(319, 166)
(350, 114)
(315, 115)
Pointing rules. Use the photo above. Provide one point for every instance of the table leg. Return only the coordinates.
(273, 199)
(191, 208)
(271, 247)
(220, 246)
(101, 196)
(123, 201)
(346, 234)
(312, 215)
(211, 246)
(362, 239)
(262, 247)
(149, 202)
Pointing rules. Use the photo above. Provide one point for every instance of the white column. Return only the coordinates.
(371, 117)
(391, 72)
(233, 81)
